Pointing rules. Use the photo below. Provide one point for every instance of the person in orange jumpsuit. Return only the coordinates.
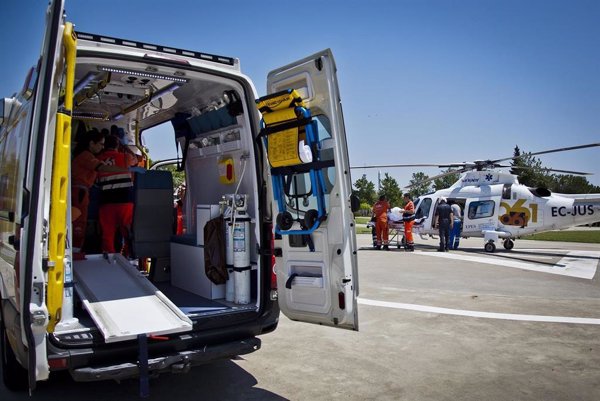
(409, 219)
(380, 209)
(116, 196)
(84, 171)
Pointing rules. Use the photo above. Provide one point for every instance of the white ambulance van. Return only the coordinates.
(284, 191)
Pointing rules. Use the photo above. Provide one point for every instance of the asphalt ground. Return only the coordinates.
(466, 325)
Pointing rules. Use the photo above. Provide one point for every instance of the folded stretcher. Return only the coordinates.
(291, 139)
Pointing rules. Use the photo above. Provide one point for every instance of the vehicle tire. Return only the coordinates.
(509, 244)
(490, 247)
(14, 375)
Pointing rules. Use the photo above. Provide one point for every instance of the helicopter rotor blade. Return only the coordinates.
(436, 177)
(589, 145)
(480, 165)
(409, 165)
(552, 169)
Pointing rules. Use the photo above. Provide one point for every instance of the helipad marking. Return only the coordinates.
(580, 264)
(485, 315)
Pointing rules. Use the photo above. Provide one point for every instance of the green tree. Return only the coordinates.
(446, 181)
(178, 176)
(391, 190)
(419, 184)
(365, 190)
(516, 163)
(530, 171)
(572, 184)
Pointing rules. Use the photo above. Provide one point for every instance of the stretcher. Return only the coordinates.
(396, 231)
(291, 139)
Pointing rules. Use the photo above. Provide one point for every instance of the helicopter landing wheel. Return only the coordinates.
(509, 244)
(490, 247)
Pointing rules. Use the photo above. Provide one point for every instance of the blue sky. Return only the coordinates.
(426, 81)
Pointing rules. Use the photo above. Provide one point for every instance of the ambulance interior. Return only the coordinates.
(206, 123)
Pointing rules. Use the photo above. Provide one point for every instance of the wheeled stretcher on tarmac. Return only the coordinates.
(396, 231)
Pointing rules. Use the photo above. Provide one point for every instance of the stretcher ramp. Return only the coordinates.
(122, 302)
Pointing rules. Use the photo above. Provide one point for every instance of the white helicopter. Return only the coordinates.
(496, 207)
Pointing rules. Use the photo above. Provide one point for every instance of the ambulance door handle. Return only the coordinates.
(288, 283)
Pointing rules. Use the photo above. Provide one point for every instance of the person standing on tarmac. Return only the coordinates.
(456, 227)
(409, 219)
(380, 210)
(444, 220)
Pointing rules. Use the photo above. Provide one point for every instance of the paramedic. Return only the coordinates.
(444, 220)
(84, 170)
(409, 219)
(380, 210)
(116, 195)
(456, 227)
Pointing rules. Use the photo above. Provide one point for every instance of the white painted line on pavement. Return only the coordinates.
(583, 263)
(580, 264)
(486, 315)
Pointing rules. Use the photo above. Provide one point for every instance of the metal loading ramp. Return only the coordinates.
(122, 302)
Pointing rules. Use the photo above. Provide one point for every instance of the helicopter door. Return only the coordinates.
(480, 214)
(34, 313)
(317, 276)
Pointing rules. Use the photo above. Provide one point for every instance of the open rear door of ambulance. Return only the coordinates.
(317, 273)
(33, 308)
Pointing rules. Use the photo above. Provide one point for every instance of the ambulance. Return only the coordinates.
(268, 210)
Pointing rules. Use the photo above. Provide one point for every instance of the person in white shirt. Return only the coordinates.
(456, 227)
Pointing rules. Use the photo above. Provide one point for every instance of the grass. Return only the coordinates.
(590, 237)
(362, 220)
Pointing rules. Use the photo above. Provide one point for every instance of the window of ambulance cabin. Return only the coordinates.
(481, 209)
(160, 142)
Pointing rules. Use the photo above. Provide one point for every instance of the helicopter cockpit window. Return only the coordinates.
(423, 208)
(481, 209)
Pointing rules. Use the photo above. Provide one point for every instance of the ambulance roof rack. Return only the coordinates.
(151, 47)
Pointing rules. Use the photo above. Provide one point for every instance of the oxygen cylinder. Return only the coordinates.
(241, 257)
(229, 285)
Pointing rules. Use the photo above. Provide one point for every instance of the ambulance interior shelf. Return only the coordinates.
(291, 139)
(212, 131)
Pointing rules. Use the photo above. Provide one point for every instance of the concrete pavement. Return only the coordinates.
(410, 354)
